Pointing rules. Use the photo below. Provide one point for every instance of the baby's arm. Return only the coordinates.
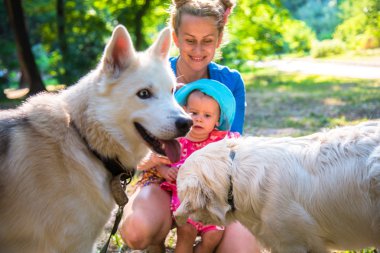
(169, 173)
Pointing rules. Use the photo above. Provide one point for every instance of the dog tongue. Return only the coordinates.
(172, 150)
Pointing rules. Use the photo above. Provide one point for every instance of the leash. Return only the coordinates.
(122, 176)
(118, 187)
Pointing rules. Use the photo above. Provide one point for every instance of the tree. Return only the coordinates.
(361, 22)
(62, 43)
(27, 63)
(138, 17)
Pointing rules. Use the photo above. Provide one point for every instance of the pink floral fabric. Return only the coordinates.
(189, 147)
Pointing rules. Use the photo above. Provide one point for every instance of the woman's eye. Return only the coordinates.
(144, 94)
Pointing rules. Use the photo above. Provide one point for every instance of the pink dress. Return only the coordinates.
(188, 147)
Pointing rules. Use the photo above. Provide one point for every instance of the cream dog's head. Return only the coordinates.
(203, 184)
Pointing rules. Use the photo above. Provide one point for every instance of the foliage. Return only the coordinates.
(88, 25)
(327, 48)
(360, 29)
(297, 36)
(255, 31)
(322, 16)
(8, 59)
(259, 29)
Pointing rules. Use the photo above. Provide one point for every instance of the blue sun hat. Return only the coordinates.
(217, 91)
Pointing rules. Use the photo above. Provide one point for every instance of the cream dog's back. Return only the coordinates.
(302, 194)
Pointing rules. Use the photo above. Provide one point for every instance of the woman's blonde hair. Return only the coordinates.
(219, 9)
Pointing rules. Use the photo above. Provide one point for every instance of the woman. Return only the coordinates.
(198, 27)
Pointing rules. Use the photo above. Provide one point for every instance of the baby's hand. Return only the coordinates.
(169, 173)
(152, 160)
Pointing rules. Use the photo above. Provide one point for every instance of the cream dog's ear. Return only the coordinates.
(182, 213)
(218, 212)
(232, 143)
(193, 197)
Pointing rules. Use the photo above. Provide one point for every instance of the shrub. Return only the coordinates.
(326, 48)
(298, 36)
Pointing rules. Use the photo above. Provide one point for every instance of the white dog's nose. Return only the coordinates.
(183, 125)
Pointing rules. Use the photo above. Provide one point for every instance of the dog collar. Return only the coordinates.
(113, 165)
(230, 198)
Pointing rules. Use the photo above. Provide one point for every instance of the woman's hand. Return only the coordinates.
(169, 173)
(152, 160)
(179, 86)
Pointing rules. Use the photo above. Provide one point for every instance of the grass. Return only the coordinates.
(281, 104)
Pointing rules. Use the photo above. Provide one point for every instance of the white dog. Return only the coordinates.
(296, 195)
(55, 193)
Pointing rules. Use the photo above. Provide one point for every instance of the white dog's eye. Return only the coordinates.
(144, 94)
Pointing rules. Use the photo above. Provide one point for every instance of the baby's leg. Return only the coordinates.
(210, 240)
(186, 235)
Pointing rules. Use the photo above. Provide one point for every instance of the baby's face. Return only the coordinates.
(204, 111)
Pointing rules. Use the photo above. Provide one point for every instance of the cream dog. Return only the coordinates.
(296, 195)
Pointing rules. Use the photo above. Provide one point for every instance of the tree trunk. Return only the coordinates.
(26, 57)
(138, 25)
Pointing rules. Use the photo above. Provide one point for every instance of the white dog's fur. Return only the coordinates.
(55, 193)
(296, 195)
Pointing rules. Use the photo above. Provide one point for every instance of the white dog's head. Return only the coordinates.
(134, 97)
(204, 183)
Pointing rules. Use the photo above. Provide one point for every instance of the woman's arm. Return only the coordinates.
(239, 94)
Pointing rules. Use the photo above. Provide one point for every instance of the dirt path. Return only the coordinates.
(365, 69)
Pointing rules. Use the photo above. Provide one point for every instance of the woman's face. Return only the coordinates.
(197, 41)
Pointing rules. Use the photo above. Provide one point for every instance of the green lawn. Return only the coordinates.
(281, 104)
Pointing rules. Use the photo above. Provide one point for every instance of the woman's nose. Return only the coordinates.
(198, 47)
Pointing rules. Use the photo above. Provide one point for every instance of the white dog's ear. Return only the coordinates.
(162, 45)
(118, 53)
